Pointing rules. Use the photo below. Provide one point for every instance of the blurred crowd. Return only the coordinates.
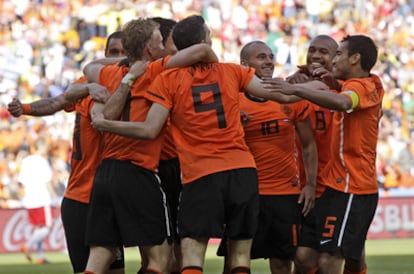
(44, 44)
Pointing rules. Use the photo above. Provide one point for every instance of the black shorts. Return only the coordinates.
(278, 230)
(128, 207)
(227, 200)
(170, 175)
(74, 215)
(308, 236)
(343, 222)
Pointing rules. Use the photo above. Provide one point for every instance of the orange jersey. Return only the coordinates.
(351, 167)
(270, 135)
(86, 152)
(204, 110)
(321, 119)
(143, 153)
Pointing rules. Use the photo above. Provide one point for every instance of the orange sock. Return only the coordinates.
(363, 271)
(88, 272)
(240, 270)
(151, 271)
(313, 271)
(192, 270)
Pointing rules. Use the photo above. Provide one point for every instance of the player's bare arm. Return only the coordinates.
(149, 129)
(310, 160)
(192, 55)
(93, 69)
(314, 91)
(257, 87)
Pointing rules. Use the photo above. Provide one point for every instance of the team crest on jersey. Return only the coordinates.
(286, 110)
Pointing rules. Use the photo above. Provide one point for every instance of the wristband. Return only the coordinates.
(128, 79)
(26, 109)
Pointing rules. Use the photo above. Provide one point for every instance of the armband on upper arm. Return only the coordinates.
(354, 98)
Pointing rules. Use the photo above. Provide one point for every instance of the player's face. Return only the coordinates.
(320, 54)
(155, 45)
(115, 48)
(341, 62)
(170, 46)
(261, 58)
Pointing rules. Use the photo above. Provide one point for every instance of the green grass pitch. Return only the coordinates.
(394, 256)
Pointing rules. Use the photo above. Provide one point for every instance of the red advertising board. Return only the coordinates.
(15, 229)
(394, 218)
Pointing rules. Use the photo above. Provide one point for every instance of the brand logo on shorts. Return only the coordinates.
(325, 241)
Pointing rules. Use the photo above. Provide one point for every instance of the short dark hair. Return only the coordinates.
(365, 46)
(113, 35)
(166, 26)
(189, 31)
(245, 51)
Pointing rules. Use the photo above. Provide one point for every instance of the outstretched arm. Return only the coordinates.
(314, 91)
(257, 87)
(78, 91)
(42, 107)
(149, 129)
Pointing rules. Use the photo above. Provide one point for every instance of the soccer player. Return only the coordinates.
(85, 156)
(346, 208)
(127, 203)
(320, 53)
(220, 190)
(35, 175)
(270, 134)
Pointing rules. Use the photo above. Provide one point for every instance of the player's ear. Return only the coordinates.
(355, 58)
(243, 62)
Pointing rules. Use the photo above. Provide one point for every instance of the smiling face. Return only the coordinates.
(341, 62)
(260, 57)
(321, 52)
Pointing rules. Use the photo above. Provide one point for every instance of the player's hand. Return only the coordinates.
(98, 93)
(307, 198)
(278, 85)
(98, 121)
(138, 68)
(298, 77)
(15, 108)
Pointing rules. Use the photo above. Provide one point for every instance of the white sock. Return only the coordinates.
(38, 236)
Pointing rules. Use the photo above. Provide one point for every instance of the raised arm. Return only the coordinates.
(149, 129)
(192, 55)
